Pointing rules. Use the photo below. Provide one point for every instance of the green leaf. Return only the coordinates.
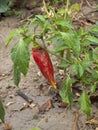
(21, 56)
(94, 74)
(93, 29)
(28, 40)
(2, 112)
(19, 31)
(60, 48)
(95, 54)
(36, 128)
(41, 17)
(93, 88)
(10, 37)
(93, 39)
(68, 37)
(66, 91)
(17, 75)
(85, 103)
(77, 48)
(61, 11)
(86, 64)
(59, 44)
(72, 41)
(78, 69)
(54, 38)
(63, 64)
(97, 6)
(64, 23)
(3, 6)
(75, 7)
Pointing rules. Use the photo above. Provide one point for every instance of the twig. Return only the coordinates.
(81, 4)
(90, 5)
(24, 96)
(45, 7)
(24, 20)
(76, 120)
(81, 22)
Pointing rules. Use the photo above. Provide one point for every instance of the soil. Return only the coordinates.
(18, 113)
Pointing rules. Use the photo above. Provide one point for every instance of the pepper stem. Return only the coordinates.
(53, 85)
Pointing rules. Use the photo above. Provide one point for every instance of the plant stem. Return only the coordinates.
(66, 9)
(61, 58)
(53, 53)
(67, 5)
(45, 7)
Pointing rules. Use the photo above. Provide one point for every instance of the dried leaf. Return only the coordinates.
(8, 126)
(9, 103)
(32, 105)
(25, 105)
(63, 104)
(46, 106)
(92, 121)
(61, 72)
(46, 119)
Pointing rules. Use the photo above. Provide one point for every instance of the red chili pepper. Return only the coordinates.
(44, 63)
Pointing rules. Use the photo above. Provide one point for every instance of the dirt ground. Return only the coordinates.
(18, 114)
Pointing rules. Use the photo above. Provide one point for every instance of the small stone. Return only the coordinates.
(39, 74)
(35, 79)
(61, 72)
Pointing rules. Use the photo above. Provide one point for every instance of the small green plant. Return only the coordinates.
(77, 51)
(36, 128)
(2, 112)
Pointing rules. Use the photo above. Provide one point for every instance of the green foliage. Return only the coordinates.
(77, 51)
(75, 7)
(66, 91)
(36, 128)
(20, 53)
(2, 111)
(5, 5)
(20, 57)
(85, 103)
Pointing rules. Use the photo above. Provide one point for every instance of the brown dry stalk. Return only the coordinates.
(27, 18)
(76, 120)
(94, 7)
(81, 4)
(92, 121)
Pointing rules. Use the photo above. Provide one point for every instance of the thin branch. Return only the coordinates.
(24, 96)
(76, 120)
(27, 18)
(94, 7)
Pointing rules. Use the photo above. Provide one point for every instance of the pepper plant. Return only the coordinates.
(76, 49)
